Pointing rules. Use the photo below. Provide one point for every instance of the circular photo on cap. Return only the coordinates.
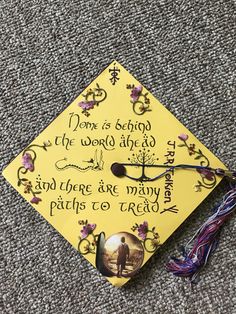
(123, 254)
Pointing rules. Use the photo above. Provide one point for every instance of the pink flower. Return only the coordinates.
(207, 174)
(27, 162)
(87, 229)
(143, 230)
(183, 137)
(86, 105)
(136, 92)
(35, 200)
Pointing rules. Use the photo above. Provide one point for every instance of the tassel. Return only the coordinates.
(205, 241)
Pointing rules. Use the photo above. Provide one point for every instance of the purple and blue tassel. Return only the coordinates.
(205, 241)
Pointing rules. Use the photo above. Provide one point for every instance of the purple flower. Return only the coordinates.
(35, 200)
(86, 105)
(143, 230)
(136, 92)
(207, 174)
(27, 162)
(183, 137)
(87, 229)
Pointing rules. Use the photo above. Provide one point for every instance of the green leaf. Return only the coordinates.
(181, 145)
(198, 157)
(38, 192)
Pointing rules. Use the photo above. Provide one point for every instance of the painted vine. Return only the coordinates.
(208, 178)
(29, 157)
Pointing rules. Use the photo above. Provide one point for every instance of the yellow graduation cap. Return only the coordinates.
(101, 174)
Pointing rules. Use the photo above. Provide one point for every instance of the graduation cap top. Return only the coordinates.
(109, 173)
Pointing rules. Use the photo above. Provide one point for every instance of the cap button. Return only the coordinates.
(118, 169)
